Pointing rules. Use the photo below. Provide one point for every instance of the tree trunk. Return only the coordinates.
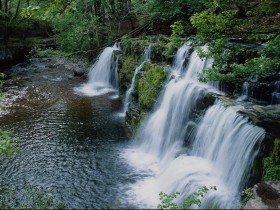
(17, 10)
(6, 6)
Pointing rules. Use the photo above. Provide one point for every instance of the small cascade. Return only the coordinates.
(180, 60)
(245, 92)
(128, 93)
(221, 146)
(218, 85)
(276, 94)
(103, 75)
(166, 126)
(230, 143)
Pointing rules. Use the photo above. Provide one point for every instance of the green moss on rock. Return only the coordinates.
(149, 86)
(126, 71)
(272, 163)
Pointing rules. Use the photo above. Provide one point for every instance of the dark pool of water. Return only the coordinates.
(70, 144)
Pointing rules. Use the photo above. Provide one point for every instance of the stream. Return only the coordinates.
(70, 144)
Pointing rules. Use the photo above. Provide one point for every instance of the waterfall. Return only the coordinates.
(166, 126)
(128, 93)
(276, 93)
(103, 75)
(230, 143)
(245, 92)
(221, 144)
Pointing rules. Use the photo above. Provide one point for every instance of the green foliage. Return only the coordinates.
(211, 25)
(149, 87)
(246, 195)
(49, 12)
(126, 71)
(272, 163)
(249, 22)
(272, 171)
(39, 52)
(81, 25)
(126, 43)
(33, 198)
(167, 201)
(7, 145)
(276, 152)
(178, 29)
(165, 10)
(134, 47)
(78, 33)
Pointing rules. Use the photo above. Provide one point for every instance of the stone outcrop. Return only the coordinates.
(266, 196)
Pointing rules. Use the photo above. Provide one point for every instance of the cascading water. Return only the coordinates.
(128, 93)
(180, 96)
(221, 147)
(230, 143)
(245, 92)
(103, 75)
(276, 94)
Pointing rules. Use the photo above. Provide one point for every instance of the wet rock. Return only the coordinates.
(132, 118)
(51, 66)
(45, 60)
(267, 196)
(79, 72)
(267, 117)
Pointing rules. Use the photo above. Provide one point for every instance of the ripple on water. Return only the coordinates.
(69, 143)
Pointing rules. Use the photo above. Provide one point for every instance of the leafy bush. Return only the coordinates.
(30, 197)
(271, 170)
(246, 195)
(226, 21)
(7, 144)
(167, 201)
(272, 163)
(148, 88)
(47, 52)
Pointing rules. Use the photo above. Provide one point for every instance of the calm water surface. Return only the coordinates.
(70, 144)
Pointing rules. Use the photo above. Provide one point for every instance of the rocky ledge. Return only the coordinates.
(266, 196)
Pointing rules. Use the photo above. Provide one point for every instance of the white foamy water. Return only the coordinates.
(128, 93)
(103, 75)
(220, 152)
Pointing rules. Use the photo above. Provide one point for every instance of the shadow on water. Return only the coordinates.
(69, 144)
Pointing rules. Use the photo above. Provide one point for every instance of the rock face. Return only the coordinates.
(267, 196)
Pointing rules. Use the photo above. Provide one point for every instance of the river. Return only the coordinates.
(70, 144)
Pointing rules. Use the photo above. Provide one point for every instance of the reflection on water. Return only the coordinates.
(70, 143)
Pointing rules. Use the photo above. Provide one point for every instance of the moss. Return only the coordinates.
(162, 48)
(276, 152)
(272, 163)
(126, 71)
(156, 52)
(149, 86)
(38, 52)
(272, 171)
(126, 44)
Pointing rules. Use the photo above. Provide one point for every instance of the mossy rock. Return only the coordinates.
(126, 70)
(272, 163)
(227, 101)
(276, 152)
(162, 49)
(272, 112)
(134, 118)
(149, 86)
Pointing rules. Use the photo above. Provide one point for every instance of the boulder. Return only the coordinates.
(78, 72)
(266, 196)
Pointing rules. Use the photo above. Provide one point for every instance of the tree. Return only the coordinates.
(228, 22)
(167, 201)
(82, 25)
